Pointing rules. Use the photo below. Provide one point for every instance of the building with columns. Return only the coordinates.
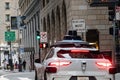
(57, 17)
(30, 9)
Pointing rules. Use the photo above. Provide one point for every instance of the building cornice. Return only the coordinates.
(33, 7)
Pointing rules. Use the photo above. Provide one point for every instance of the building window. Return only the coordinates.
(7, 5)
(7, 17)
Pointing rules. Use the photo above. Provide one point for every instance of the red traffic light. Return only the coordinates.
(43, 45)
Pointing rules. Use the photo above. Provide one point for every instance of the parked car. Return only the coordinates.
(75, 62)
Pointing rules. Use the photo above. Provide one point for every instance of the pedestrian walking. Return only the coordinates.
(24, 65)
(5, 63)
(16, 65)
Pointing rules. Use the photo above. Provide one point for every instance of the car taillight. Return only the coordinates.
(78, 51)
(51, 69)
(59, 63)
(112, 70)
(103, 64)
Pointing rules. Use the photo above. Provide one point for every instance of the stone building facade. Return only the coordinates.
(8, 8)
(30, 9)
(55, 17)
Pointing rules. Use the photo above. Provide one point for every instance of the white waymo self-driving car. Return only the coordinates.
(74, 60)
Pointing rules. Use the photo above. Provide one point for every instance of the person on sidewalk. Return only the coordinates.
(16, 65)
(24, 65)
(5, 64)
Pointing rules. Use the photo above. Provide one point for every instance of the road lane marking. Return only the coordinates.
(2, 78)
(21, 78)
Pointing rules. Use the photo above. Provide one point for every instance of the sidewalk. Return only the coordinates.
(16, 75)
(2, 71)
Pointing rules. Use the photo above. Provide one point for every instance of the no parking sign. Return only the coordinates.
(43, 36)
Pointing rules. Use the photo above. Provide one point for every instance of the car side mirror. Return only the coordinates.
(37, 60)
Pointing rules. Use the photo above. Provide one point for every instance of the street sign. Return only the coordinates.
(9, 36)
(101, 3)
(43, 36)
(21, 50)
(79, 25)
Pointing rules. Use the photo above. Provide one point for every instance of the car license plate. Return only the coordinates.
(82, 78)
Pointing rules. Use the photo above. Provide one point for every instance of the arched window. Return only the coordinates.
(48, 28)
(44, 24)
(58, 26)
(53, 26)
(64, 19)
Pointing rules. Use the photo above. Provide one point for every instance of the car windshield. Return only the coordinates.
(78, 54)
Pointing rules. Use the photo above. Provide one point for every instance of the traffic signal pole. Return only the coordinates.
(10, 61)
(19, 58)
(114, 44)
(38, 39)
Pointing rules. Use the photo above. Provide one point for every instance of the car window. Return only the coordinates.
(50, 54)
(73, 44)
(78, 54)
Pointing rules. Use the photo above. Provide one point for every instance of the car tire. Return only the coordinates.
(36, 75)
(45, 76)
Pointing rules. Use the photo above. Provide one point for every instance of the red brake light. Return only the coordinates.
(51, 69)
(79, 50)
(59, 63)
(112, 70)
(103, 64)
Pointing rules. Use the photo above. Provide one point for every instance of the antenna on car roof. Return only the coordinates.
(72, 32)
(72, 35)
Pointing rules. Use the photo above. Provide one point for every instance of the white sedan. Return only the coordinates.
(74, 63)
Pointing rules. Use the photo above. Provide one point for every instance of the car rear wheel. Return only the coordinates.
(36, 75)
(45, 76)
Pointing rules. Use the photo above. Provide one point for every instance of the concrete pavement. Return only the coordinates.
(117, 76)
(16, 75)
(2, 71)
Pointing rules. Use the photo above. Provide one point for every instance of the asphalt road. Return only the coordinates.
(15, 75)
(11, 75)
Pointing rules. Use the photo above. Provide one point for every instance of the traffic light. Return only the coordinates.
(111, 13)
(111, 31)
(72, 32)
(104, 0)
(37, 34)
(43, 45)
(22, 22)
